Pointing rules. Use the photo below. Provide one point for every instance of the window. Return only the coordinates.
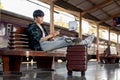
(113, 37)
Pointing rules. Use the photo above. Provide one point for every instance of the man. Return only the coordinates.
(39, 39)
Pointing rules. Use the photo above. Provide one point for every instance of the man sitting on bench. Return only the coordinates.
(40, 39)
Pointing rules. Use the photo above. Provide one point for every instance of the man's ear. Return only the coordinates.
(35, 18)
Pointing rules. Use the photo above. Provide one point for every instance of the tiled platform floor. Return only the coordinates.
(95, 71)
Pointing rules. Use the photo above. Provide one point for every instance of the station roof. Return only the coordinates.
(98, 11)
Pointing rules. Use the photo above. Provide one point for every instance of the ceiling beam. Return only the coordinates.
(96, 7)
(66, 0)
(57, 7)
(117, 2)
(47, 1)
(66, 5)
(112, 16)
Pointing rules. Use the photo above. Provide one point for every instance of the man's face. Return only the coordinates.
(39, 19)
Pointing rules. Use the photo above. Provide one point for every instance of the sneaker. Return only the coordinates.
(88, 41)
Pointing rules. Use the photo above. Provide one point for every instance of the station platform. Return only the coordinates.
(95, 71)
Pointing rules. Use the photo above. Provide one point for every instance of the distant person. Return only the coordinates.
(39, 39)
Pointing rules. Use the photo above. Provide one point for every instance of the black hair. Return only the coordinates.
(37, 13)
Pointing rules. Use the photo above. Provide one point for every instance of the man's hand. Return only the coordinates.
(50, 36)
(54, 34)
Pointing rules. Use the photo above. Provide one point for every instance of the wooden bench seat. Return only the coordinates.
(18, 48)
(107, 57)
(12, 58)
(27, 52)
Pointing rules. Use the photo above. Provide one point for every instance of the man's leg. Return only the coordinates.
(52, 45)
(76, 41)
(64, 42)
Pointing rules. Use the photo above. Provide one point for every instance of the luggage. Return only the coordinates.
(76, 59)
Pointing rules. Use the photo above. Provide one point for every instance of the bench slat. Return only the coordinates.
(27, 52)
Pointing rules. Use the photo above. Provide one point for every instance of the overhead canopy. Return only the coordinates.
(99, 11)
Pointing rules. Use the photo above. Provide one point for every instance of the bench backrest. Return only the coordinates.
(18, 39)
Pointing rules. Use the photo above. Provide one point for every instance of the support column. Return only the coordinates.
(97, 51)
(51, 16)
(80, 25)
(117, 42)
(109, 37)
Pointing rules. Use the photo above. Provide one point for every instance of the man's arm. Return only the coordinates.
(50, 36)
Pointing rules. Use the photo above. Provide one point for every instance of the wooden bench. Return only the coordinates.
(18, 47)
(107, 57)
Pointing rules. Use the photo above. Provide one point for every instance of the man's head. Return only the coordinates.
(38, 13)
(38, 16)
